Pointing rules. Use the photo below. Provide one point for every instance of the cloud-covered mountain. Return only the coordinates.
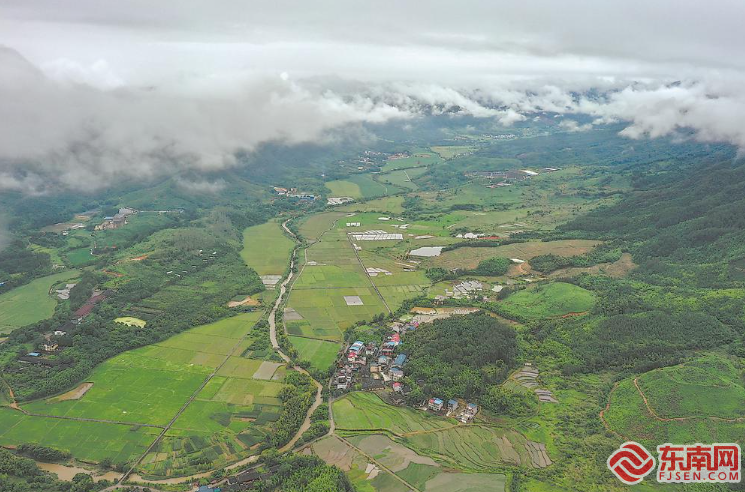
(126, 91)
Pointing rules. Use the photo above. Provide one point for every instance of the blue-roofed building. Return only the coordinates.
(396, 373)
(452, 405)
(382, 360)
(33, 354)
(205, 488)
(435, 404)
(400, 360)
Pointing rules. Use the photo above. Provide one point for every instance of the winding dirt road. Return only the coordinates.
(283, 289)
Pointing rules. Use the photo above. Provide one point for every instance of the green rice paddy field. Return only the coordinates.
(389, 204)
(321, 354)
(266, 248)
(318, 295)
(366, 411)
(359, 186)
(149, 385)
(418, 159)
(30, 303)
(87, 441)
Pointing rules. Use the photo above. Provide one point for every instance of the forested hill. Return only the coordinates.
(681, 225)
(685, 230)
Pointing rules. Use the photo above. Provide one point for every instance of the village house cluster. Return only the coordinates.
(116, 221)
(380, 367)
(52, 342)
(464, 413)
(374, 366)
(293, 193)
(509, 177)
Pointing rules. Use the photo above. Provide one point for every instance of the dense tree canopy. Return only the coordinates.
(459, 356)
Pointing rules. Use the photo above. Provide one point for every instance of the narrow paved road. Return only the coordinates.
(273, 337)
(275, 345)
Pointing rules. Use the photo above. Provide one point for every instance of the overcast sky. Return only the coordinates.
(140, 87)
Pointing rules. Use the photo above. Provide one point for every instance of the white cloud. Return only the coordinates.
(129, 91)
(79, 137)
(98, 74)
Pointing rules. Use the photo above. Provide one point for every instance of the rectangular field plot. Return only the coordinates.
(234, 327)
(197, 342)
(395, 295)
(239, 367)
(364, 411)
(131, 387)
(228, 421)
(325, 314)
(89, 441)
(331, 276)
(266, 249)
(149, 385)
(353, 301)
(314, 226)
(321, 354)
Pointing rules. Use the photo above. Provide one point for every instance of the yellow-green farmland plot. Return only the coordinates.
(266, 249)
(421, 471)
(320, 353)
(331, 273)
(149, 386)
(31, 302)
(88, 441)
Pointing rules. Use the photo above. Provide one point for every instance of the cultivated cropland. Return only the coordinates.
(371, 246)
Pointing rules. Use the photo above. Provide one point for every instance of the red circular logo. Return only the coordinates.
(631, 463)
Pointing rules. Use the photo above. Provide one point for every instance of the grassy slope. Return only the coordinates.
(31, 302)
(549, 300)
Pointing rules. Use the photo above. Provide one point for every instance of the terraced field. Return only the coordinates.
(366, 411)
(482, 448)
(628, 416)
(421, 471)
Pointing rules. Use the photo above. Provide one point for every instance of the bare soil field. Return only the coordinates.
(248, 301)
(470, 257)
(617, 269)
(77, 393)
